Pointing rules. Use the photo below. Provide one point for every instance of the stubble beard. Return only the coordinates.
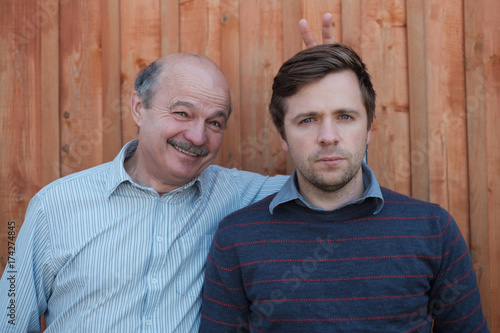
(332, 183)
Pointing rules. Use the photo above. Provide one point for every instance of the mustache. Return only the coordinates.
(326, 151)
(188, 147)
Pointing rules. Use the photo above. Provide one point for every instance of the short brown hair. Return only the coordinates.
(311, 65)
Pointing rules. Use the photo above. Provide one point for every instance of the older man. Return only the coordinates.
(121, 247)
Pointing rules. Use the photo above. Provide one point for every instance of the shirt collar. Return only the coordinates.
(118, 174)
(289, 192)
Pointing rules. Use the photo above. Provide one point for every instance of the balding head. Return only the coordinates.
(166, 70)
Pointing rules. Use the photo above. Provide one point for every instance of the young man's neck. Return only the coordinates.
(331, 200)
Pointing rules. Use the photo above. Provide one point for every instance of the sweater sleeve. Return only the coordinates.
(26, 282)
(455, 301)
(225, 307)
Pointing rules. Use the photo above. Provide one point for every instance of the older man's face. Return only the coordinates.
(181, 133)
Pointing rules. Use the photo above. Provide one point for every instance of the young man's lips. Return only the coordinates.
(330, 159)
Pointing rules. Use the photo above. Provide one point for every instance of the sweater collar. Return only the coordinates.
(289, 192)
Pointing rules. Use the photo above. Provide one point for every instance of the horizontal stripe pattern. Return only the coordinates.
(300, 270)
(99, 253)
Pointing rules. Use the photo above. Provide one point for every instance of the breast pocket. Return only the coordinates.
(193, 251)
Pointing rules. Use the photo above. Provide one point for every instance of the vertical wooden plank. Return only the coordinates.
(200, 28)
(352, 24)
(477, 148)
(491, 60)
(230, 153)
(140, 31)
(292, 13)
(313, 10)
(446, 109)
(417, 85)
(110, 129)
(383, 47)
(81, 85)
(261, 55)
(292, 43)
(50, 91)
(20, 113)
(170, 27)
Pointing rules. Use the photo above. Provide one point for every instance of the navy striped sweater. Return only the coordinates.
(346, 270)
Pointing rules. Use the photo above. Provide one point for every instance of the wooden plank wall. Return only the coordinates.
(67, 69)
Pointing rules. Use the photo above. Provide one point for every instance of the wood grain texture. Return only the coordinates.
(81, 86)
(200, 28)
(491, 60)
(67, 69)
(383, 48)
(477, 145)
(446, 109)
(260, 57)
(417, 94)
(229, 154)
(50, 117)
(140, 45)
(110, 128)
(170, 17)
(20, 113)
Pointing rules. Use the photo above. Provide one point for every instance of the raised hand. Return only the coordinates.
(326, 31)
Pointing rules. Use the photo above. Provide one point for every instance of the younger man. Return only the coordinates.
(332, 251)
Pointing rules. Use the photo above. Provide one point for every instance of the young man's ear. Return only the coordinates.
(136, 107)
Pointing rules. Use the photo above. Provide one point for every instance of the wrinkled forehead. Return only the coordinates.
(197, 78)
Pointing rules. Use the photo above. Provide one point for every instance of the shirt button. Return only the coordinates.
(148, 322)
(159, 239)
(153, 281)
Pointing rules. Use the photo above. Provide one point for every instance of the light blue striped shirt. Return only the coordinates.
(100, 253)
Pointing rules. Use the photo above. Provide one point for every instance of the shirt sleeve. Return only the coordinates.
(455, 301)
(225, 307)
(26, 282)
(254, 187)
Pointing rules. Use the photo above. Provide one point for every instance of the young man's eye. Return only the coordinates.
(345, 117)
(307, 120)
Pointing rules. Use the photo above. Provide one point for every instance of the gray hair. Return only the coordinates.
(146, 82)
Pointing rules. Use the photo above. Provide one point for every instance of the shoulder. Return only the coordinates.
(252, 215)
(397, 201)
(90, 180)
(416, 212)
(216, 172)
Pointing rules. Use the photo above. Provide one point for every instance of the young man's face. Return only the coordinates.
(326, 133)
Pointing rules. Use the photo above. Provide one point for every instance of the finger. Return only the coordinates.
(306, 33)
(327, 29)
